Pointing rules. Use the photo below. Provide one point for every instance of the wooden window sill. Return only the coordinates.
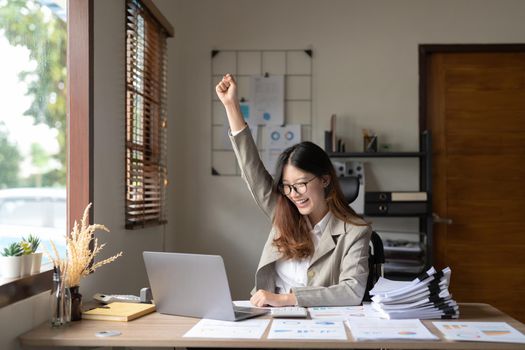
(16, 289)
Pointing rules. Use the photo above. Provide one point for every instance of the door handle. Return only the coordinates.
(439, 220)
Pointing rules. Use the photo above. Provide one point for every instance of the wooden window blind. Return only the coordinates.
(146, 115)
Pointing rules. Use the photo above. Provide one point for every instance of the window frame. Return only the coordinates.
(79, 136)
(146, 115)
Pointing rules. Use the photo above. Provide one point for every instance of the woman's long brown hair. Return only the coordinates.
(293, 238)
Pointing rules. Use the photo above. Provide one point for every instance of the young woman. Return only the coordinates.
(317, 251)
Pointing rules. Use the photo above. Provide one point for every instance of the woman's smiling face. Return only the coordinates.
(311, 197)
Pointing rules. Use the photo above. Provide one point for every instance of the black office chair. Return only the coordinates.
(350, 187)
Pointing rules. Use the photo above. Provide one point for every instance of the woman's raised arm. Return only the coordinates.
(227, 92)
(259, 181)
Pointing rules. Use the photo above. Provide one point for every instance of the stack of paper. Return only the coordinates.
(425, 297)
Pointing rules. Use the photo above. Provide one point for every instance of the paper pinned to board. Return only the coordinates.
(275, 140)
(267, 100)
(281, 137)
(247, 329)
(246, 111)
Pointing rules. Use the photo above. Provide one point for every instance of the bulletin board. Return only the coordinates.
(296, 68)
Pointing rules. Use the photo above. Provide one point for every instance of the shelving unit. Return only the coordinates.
(425, 185)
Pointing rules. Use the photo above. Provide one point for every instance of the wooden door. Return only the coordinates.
(475, 108)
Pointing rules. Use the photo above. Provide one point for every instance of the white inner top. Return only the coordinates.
(292, 272)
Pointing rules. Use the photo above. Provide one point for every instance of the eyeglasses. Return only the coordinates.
(299, 188)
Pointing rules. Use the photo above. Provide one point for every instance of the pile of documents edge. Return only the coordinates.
(426, 297)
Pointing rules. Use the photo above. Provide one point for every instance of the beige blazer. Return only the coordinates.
(338, 269)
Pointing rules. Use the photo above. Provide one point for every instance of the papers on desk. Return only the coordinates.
(336, 313)
(247, 329)
(307, 329)
(281, 329)
(369, 329)
(480, 331)
(425, 297)
(342, 313)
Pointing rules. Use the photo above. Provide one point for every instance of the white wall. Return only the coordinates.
(365, 70)
(20, 317)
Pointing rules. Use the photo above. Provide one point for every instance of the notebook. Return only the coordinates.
(118, 312)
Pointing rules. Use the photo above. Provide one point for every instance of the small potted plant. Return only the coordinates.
(37, 256)
(10, 262)
(27, 258)
(34, 243)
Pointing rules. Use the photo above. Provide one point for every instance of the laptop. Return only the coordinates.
(193, 285)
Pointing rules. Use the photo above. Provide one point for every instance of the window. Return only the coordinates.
(79, 140)
(146, 115)
(33, 42)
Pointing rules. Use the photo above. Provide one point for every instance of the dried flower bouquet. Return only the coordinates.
(79, 259)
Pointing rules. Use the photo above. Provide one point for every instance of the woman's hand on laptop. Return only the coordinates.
(264, 298)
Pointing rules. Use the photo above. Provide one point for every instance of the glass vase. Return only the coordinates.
(60, 300)
(76, 304)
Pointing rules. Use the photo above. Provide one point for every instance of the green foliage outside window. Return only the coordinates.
(9, 160)
(23, 22)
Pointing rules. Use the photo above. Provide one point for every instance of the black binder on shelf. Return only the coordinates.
(398, 196)
(328, 142)
(396, 208)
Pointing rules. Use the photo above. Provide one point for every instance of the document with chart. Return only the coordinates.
(307, 329)
(369, 329)
(480, 331)
(342, 313)
(247, 329)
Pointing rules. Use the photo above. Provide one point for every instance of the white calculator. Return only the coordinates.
(288, 312)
